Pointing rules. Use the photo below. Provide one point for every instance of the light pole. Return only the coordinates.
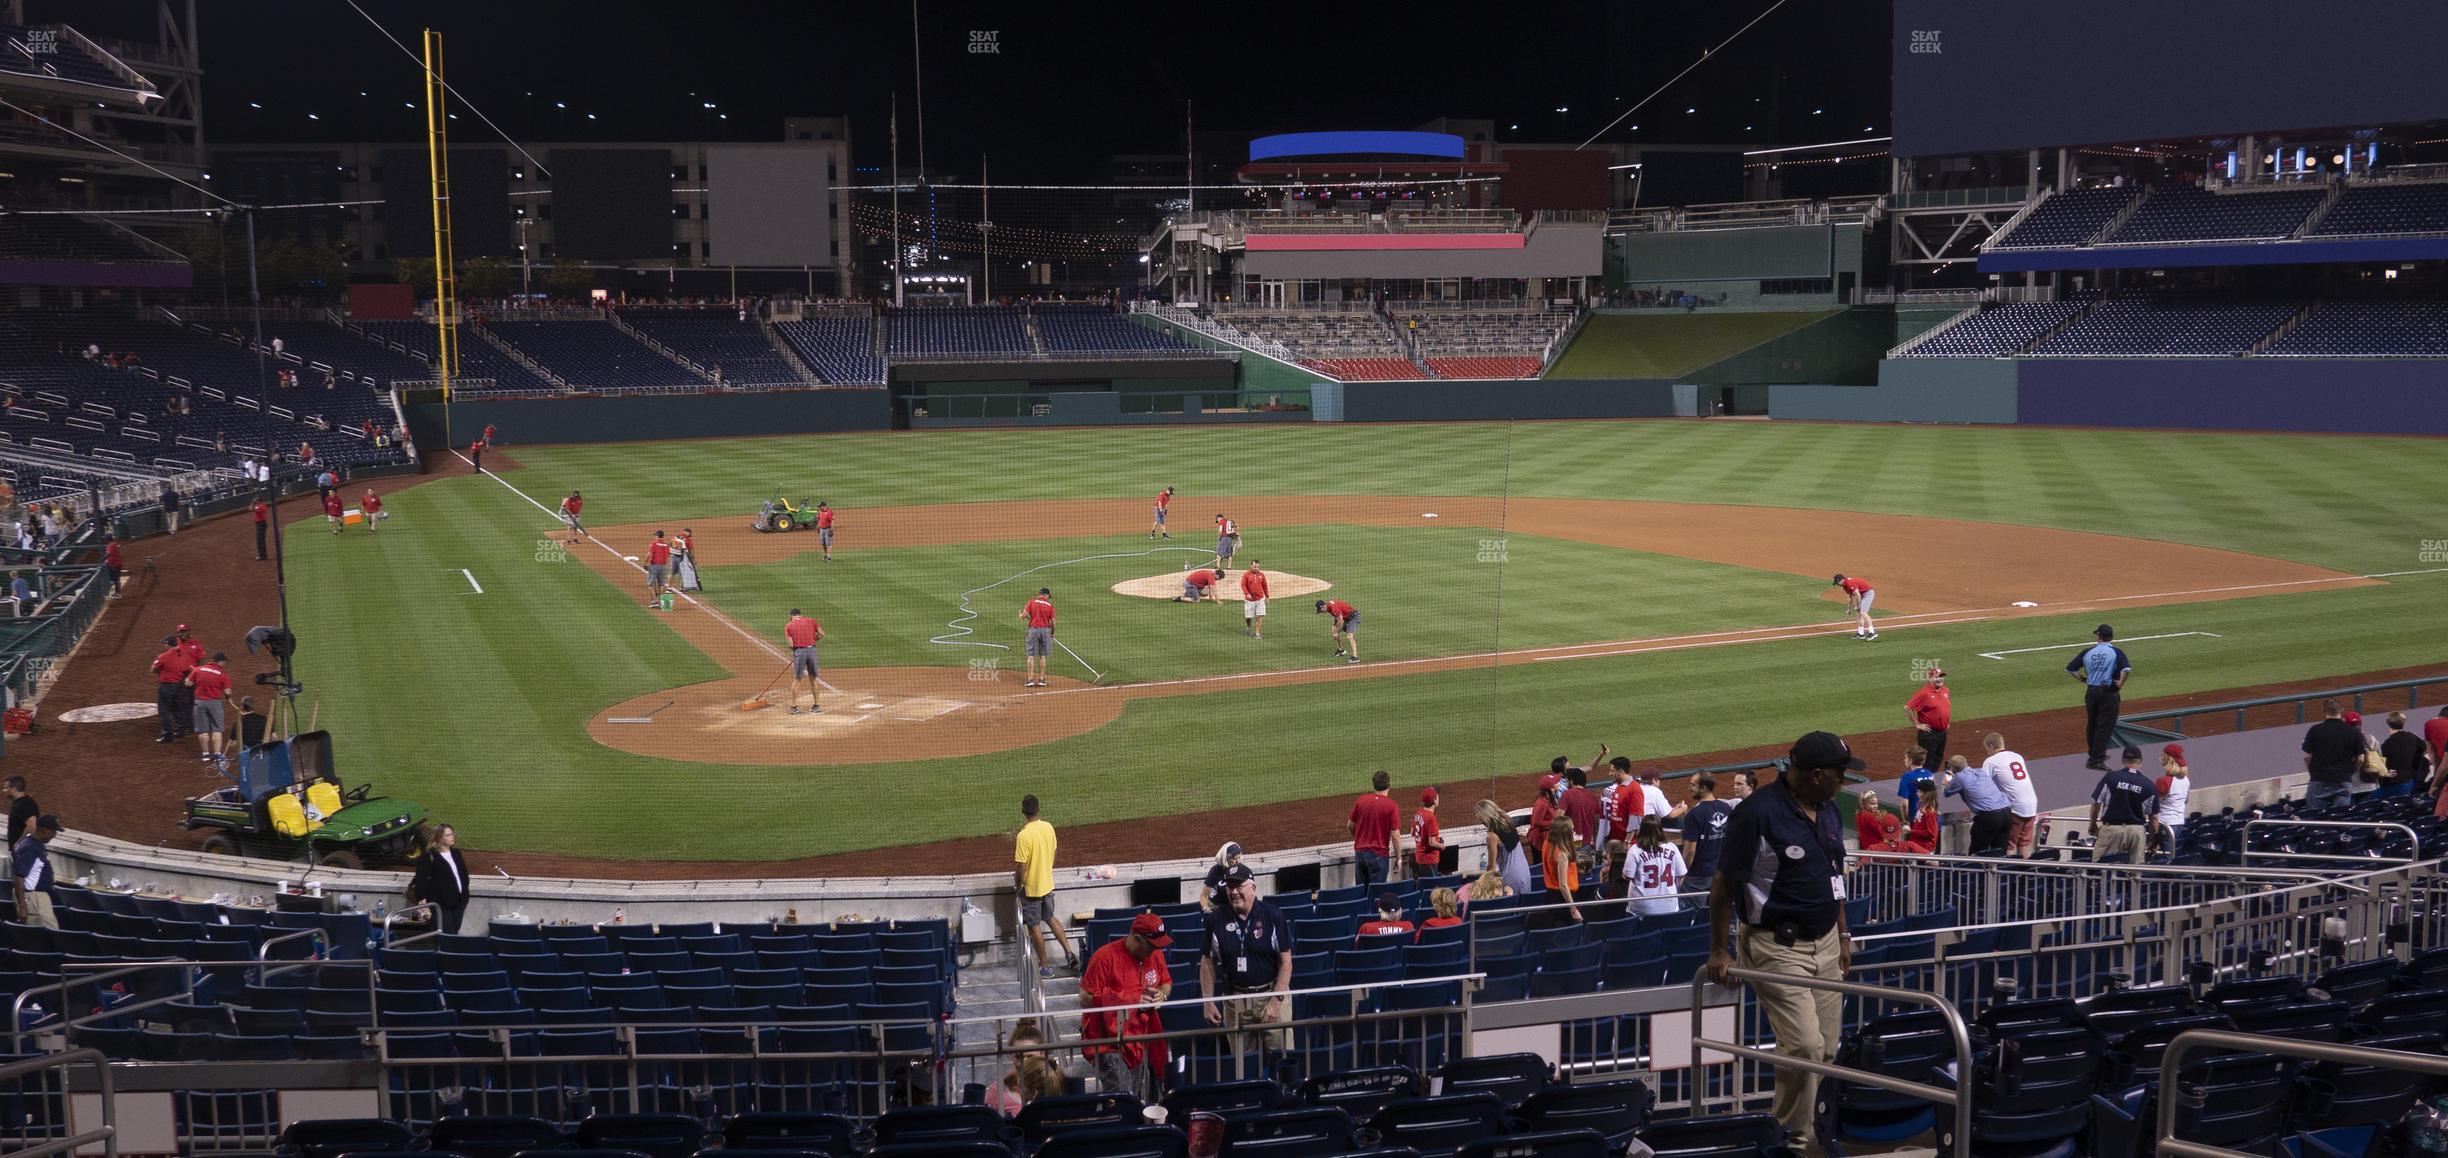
(526, 259)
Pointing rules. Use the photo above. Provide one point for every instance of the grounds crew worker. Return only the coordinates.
(1782, 868)
(1249, 956)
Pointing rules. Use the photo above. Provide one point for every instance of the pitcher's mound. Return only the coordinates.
(1281, 584)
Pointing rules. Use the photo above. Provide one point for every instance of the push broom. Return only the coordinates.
(759, 700)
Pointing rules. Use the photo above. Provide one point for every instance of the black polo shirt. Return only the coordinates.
(1248, 951)
(1783, 867)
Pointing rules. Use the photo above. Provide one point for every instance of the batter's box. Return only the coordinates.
(924, 708)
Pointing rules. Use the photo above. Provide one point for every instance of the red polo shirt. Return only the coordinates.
(1581, 805)
(331, 506)
(262, 513)
(110, 553)
(172, 666)
(373, 502)
(211, 683)
(824, 519)
(800, 631)
(1377, 815)
(1201, 578)
(1628, 804)
(192, 650)
(1338, 609)
(1855, 585)
(572, 504)
(1253, 584)
(658, 552)
(1164, 499)
(1932, 705)
(1040, 612)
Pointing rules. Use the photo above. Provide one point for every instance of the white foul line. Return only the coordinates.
(471, 578)
(2063, 646)
(719, 617)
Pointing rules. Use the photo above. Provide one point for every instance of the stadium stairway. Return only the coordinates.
(511, 352)
(1661, 344)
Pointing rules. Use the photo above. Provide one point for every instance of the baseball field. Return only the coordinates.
(1525, 589)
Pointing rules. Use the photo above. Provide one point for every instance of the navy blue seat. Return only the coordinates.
(1287, 1133)
(332, 1137)
(933, 1124)
(1727, 1136)
(1360, 1092)
(1441, 1124)
(1134, 1141)
(1509, 1076)
(1226, 1098)
(1543, 1144)
(768, 1130)
(495, 1137)
(654, 1135)
(1065, 1113)
(1613, 1110)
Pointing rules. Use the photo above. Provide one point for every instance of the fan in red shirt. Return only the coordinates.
(110, 561)
(488, 434)
(1389, 919)
(1253, 601)
(569, 514)
(1374, 817)
(1542, 814)
(1129, 972)
(475, 455)
(373, 510)
(331, 511)
(1427, 837)
(1923, 836)
(1876, 828)
(1580, 805)
(1200, 587)
(824, 529)
(263, 519)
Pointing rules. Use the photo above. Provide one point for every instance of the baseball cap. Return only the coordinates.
(182, 627)
(1045, 591)
(1229, 853)
(1824, 750)
(1151, 926)
(1321, 605)
(1237, 874)
(51, 822)
(1547, 782)
(2353, 717)
(1389, 903)
(1428, 796)
(2132, 752)
(1937, 673)
(1651, 773)
(220, 657)
(2174, 750)
(2104, 631)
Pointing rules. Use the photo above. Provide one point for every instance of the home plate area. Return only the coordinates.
(870, 714)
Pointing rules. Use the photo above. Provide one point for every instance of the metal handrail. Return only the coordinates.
(109, 971)
(263, 962)
(2171, 1066)
(428, 908)
(2248, 853)
(107, 1135)
(1960, 1097)
(2240, 707)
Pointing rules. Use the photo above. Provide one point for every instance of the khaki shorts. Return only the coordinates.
(2019, 837)
(38, 910)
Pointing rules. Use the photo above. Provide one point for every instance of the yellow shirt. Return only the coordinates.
(1035, 851)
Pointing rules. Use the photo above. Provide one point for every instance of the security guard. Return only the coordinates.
(1783, 867)
(1249, 955)
(2102, 668)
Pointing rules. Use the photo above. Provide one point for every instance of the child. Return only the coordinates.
(1654, 870)
(1924, 834)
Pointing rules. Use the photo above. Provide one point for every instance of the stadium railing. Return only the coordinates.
(2130, 732)
(1957, 1099)
(2175, 1097)
(2248, 852)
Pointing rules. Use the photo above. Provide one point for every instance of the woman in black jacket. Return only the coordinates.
(442, 880)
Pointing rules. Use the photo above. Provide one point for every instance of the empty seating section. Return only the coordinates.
(1486, 366)
(124, 413)
(2410, 329)
(957, 330)
(2386, 210)
(841, 348)
(52, 55)
(714, 338)
(2074, 218)
(592, 355)
(2180, 213)
(1354, 344)
(477, 357)
(2126, 327)
(1997, 331)
(59, 238)
(1097, 329)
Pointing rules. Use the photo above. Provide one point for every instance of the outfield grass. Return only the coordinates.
(476, 705)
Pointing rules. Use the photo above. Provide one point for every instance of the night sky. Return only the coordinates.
(1070, 85)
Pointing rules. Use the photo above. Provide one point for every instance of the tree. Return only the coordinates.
(569, 280)
(486, 277)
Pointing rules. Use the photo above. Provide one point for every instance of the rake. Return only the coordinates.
(759, 700)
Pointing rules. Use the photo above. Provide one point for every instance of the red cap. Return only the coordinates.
(1547, 783)
(1428, 796)
(1151, 926)
(2355, 718)
(182, 627)
(2176, 751)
